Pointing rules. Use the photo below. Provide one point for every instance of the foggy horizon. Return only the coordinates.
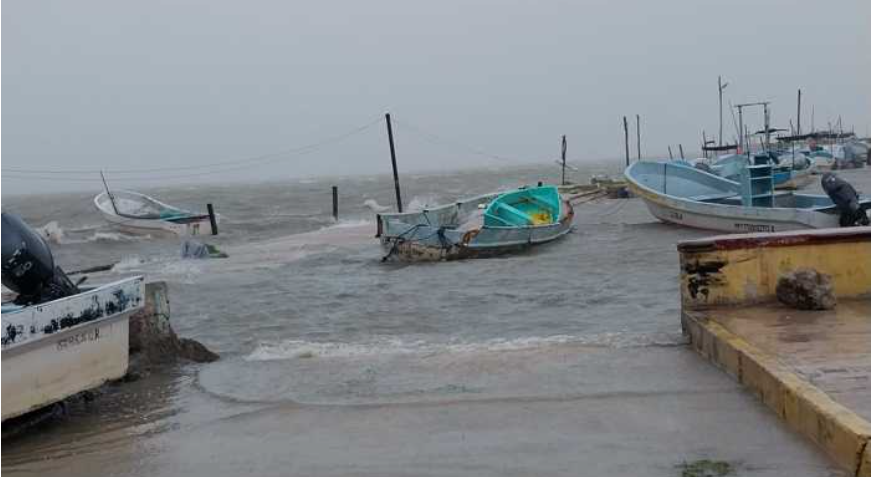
(100, 85)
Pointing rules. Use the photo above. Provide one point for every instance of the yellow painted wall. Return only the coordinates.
(750, 275)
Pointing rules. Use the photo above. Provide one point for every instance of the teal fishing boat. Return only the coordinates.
(483, 226)
(524, 208)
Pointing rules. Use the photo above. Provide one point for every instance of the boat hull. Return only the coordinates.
(724, 217)
(57, 349)
(186, 223)
(428, 236)
(196, 227)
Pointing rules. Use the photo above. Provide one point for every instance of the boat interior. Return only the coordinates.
(693, 184)
(524, 208)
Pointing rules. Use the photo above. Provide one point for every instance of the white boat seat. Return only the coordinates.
(717, 196)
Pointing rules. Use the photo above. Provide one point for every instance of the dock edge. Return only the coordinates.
(843, 435)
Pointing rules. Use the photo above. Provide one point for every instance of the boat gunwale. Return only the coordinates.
(744, 211)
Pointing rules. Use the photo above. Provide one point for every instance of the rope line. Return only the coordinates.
(237, 164)
(436, 139)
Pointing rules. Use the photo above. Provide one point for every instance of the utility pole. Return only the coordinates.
(722, 86)
(394, 162)
(638, 136)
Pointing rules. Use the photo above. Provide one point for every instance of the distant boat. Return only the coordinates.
(140, 213)
(788, 173)
(688, 196)
(483, 226)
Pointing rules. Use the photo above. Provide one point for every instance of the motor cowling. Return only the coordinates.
(28, 267)
(846, 199)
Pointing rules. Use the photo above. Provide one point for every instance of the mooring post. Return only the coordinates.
(682, 156)
(638, 136)
(625, 126)
(212, 222)
(394, 162)
(798, 115)
(336, 208)
(563, 158)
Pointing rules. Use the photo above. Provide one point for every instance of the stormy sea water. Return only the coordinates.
(330, 358)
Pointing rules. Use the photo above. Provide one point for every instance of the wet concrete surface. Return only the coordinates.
(631, 412)
(830, 348)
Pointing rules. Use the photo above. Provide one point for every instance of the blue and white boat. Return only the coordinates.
(482, 226)
(688, 196)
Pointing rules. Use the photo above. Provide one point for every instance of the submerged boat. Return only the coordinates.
(688, 196)
(57, 339)
(140, 213)
(483, 226)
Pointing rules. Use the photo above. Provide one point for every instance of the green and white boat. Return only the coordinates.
(483, 226)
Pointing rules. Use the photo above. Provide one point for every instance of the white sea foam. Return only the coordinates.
(422, 202)
(115, 237)
(52, 232)
(375, 206)
(386, 347)
(128, 264)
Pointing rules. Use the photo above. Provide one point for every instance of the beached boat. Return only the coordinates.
(57, 339)
(139, 213)
(487, 225)
(59, 348)
(688, 196)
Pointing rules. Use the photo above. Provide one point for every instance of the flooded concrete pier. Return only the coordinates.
(813, 368)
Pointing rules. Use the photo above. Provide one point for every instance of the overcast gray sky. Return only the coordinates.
(122, 84)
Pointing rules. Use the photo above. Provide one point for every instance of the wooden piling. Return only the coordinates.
(563, 158)
(336, 207)
(625, 126)
(638, 136)
(394, 162)
(682, 156)
(670, 153)
(798, 115)
(213, 224)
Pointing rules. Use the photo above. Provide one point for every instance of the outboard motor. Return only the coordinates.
(846, 199)
(28, 267)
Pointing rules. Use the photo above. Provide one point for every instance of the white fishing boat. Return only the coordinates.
(139, 213)
(57, 339)
(688, 196)
(56, 349)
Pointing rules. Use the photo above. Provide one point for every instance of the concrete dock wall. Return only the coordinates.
(744, 269)
(721, 274)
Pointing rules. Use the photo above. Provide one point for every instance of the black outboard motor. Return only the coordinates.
(846, 198)
(28, 267)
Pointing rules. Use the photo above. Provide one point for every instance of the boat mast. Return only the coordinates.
(722, 86)
(109, 194)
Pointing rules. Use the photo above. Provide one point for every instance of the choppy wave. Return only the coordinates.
(423, 202)
(375, 206)
(292, 349)
(55, 233)
(52, 232)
